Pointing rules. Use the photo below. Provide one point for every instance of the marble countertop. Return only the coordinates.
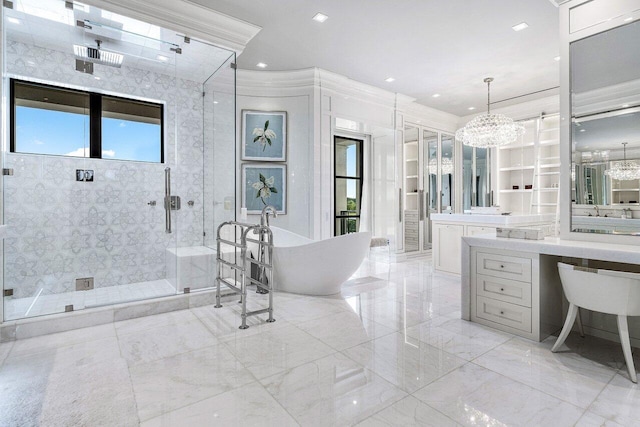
(555, 246)
(504, 220)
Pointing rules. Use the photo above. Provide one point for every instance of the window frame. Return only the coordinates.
(95, 120)
(336, 177)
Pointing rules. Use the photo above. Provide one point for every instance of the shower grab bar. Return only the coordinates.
(167, 200)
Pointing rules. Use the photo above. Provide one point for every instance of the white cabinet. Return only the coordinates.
(508, 293)
(446, 247)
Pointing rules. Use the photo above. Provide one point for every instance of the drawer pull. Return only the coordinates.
(501, 289)
(502, 312)
(501, 266)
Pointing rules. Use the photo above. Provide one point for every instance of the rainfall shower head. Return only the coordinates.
(96, 55)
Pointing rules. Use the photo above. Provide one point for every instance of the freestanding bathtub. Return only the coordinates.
(316, 267)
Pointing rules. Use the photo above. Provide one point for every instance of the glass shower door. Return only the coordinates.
(94, 127)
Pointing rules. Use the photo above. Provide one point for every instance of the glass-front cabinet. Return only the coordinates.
(428, 183)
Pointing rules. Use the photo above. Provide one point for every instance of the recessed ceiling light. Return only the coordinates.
(583, 130)
(471, 108)
(96, 77)
(389, 79)
(162, 58)
(625, 105)
(14, 20)
(628, 19)
(320, 17)
(436, 95)
(521, 26)
(557, 58)
(261, 65)
(215, 102)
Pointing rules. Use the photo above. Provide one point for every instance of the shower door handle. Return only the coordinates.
(167, 200)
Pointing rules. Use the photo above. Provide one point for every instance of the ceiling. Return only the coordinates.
(444, 47)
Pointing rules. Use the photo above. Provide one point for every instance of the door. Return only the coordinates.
(429, 183)
(348, 158)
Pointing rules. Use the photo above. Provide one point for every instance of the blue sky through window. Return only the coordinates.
(51, 132)
(63, 133)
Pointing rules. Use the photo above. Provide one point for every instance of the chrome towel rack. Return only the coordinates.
(242, 265)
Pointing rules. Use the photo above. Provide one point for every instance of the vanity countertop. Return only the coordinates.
(555, 246)
(578, 219)
(498, 220)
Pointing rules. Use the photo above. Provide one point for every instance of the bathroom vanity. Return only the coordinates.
(448, 229)
(513, 285)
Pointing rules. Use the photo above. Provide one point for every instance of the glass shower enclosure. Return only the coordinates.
(119, 158)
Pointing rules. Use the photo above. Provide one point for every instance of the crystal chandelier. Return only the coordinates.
(447, 166)
(490, 130)
(625, 170)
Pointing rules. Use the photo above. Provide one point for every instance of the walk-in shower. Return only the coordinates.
(99, 110)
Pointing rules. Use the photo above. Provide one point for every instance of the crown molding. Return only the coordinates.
(607, 98)
(186, 17)
(252, 81)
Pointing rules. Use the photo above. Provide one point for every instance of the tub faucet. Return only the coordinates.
(264, 220)
(597, 210)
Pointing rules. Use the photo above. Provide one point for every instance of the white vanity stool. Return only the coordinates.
(605, 291)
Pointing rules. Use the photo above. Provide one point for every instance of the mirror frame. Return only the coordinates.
(568, 36)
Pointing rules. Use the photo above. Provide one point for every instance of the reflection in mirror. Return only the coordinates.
(475, 175)
(605, 111)
(447, 169)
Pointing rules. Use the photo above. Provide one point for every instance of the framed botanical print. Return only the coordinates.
(264, 184)
(264, 135)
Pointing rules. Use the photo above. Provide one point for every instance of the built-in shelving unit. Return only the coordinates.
(534, 162)
(625, 192)
(411, 199)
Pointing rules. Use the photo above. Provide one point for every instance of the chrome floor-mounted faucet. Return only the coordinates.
(264, 220)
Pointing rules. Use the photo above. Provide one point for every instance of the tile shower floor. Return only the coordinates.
(42, 303)
(391, 350)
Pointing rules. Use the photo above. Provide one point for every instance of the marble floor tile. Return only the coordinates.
(249, 405)
(83, 384)
(399, 315)
(456, 336)
(404, 361)
(619, 401)
(5, 349)
(150, 322)
(589, 419)
(61, 339)
(224, 321)
(173, 382)
(309, 308)
(157, 343)
(353, 329)
(409, 412)
(473, 395)
(567, 376)
(276, 350)
(331, 391)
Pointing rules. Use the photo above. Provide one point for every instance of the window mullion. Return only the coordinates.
(95, 126)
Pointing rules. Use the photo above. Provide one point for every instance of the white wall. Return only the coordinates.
(256, 91)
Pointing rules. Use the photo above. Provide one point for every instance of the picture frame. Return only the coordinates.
(264, 184)
(264, 136)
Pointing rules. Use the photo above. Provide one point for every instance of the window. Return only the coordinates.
(66, 122)
(348, 184)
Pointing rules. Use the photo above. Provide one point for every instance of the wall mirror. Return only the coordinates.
(605, 132)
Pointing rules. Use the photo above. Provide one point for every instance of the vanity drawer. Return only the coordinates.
(504, 313)
(504, 266)
(506, 290)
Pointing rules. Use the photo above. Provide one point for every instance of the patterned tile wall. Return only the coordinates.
(61, 229)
